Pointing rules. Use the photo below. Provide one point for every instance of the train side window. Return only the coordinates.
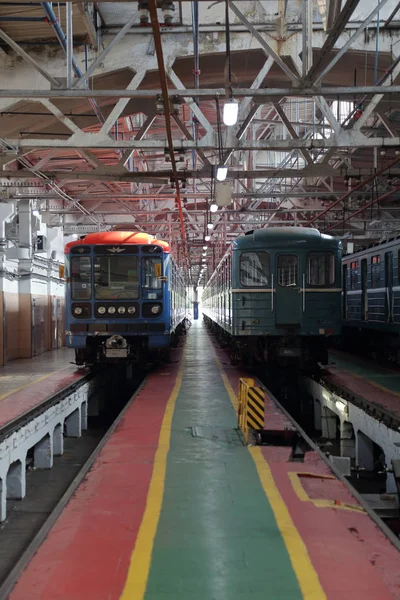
(354, 275)
(320, 268)
(375, 271)
(81, 278)
(287, 270)
(254, 269)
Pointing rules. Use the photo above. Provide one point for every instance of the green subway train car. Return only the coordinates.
(275, 296)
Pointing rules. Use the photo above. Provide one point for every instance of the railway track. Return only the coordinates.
(29, 520)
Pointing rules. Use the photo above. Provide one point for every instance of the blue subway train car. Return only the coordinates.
(275, 297)
(371, 299)
(125, 297)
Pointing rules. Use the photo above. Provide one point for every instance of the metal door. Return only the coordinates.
(364, 292)
(288, 306)
(344, 283)
(389, 286)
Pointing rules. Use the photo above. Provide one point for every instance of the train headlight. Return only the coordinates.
(101, 310)
(131, 310)
(78, 310)
(111, 310)
(155, 309)
(121, 310)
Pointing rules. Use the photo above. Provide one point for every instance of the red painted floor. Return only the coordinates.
(352, 556)
(26, 383)
(87, 552)
(86, 555)
(364, 388)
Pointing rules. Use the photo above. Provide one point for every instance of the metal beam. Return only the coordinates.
(262, 94)
(100, 58)
(344, 139)
(265, 46)
(350, 42)
(333, 36)
(110, 173)
(28, 59)
(291, 131)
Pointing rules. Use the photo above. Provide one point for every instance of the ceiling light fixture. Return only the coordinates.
(205, 247)
(230, 113)
(213, 207)
(210, 226)
(222, 172)
(207, 238)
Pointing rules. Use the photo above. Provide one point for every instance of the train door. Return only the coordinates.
(344, 283)
(288, 304)
(389, 286)
(364, 290)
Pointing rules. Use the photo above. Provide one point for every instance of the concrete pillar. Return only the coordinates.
(347, 440)
(328, 421)
(43, 453)
(364, 452)
(16, 480)
(3, 500)
(25, 225)
(84, 415)
(73, 424)
(58, 441)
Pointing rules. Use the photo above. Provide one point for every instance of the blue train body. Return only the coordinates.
(276, 295)
(125, 297)
(371, 298)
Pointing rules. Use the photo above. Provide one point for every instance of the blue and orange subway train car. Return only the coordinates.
(275, 297)
(126, 298)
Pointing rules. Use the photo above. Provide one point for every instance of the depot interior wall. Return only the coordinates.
(32, 302)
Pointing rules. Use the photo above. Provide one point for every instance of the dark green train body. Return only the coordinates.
(276, 295)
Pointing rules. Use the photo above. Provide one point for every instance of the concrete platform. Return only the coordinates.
(364, 378)
(176, 507)
(25, 383)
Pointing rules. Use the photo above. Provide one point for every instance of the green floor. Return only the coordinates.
(367, 370)
(217, 537)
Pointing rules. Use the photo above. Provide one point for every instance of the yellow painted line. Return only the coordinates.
(306, 575)
(22, 387)
(295, 479)
(139, 567)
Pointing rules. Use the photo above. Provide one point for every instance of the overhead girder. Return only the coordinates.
(322, 170)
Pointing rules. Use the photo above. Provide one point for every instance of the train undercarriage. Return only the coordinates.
(287, 351)
(138, 350)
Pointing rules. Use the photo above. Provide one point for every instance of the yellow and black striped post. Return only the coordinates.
(255, 408)
(251, 407)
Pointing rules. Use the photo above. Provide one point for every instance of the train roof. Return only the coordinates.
(375, 245)
(278, 236)
(118, 237)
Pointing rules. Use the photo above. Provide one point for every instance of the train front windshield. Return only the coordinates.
(116, 277)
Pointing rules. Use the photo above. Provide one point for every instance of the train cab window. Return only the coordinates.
(116, 277)
(375, 271)
(354, 275)
(254, 269)
(151, 274)
(287, 270)
(320, 268)
(81, 278)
